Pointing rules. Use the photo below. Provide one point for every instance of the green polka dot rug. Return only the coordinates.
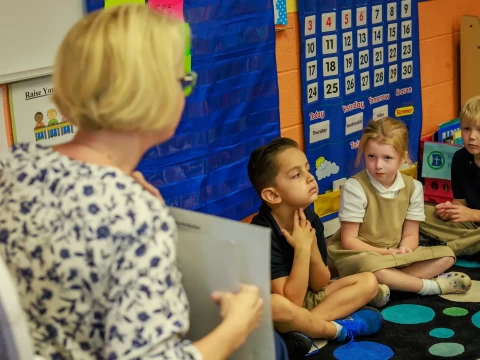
(420, 327)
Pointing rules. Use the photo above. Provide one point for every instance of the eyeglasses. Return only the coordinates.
(188, 83)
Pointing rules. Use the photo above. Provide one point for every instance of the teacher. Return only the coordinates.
(91, 251)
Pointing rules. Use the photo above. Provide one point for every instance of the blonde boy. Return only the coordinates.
(456, 223)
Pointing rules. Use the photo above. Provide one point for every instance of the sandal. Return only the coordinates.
(382, 297)
(453, 283)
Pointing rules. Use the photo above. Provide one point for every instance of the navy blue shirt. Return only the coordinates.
(282, 251)
(466, 178)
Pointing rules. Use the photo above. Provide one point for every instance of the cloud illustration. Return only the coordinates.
(325, 169)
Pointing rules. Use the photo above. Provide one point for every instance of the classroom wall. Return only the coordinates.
(439, 61)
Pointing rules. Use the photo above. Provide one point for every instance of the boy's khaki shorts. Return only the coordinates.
(312, 299)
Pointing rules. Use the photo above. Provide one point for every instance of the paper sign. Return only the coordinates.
(437, 160)
(34, 116)
(170, 7)
(110, 3)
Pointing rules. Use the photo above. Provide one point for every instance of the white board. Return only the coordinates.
(30, 34)
(3, 130)
(216, 254)
(35, 117)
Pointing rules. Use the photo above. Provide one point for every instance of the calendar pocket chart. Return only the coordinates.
(359, 61)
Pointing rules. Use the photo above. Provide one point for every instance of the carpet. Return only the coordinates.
(421, 327)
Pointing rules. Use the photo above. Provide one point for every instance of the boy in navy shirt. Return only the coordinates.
(303, 297)
(456, 223)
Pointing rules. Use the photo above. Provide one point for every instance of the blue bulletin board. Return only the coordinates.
(233, 109)
(359, 60)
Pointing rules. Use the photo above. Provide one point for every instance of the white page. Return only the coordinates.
(227, 253)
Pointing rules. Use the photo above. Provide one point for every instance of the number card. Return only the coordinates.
(392, 53)
(377, 35)
(378, 75)
(365, 81)
(392, 32)
(346, 19)
(362, 35)
(378, 56)
(376, 14)
(312, 70)
(361, 16)
(406, 49)
(329, 44)
(330, 66)
(348, 65)
(366, 67)
(311, 48)
(347, 41)
(349, 84)
(391, 11)
(331, 88)
(329, 22)
(312, 90)
(406, 7)
(310, 25)
(363, 59)
(392, 70)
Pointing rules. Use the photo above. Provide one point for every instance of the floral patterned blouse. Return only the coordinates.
(93, 257)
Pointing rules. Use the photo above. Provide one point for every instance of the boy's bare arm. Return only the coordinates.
(294, 287)
(319, 272)
(458, 211)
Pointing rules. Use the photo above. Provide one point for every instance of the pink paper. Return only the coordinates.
(170, 7)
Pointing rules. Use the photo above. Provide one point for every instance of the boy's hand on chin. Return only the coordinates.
(303, 234)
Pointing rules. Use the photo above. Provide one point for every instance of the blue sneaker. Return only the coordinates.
(364, 322)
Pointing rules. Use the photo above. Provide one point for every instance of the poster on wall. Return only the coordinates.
(359, 61)
(34, 116)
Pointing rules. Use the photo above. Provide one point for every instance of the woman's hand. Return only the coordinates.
(138, 177)
(243, 310)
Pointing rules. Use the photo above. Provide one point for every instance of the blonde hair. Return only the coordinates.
(118, 69)
(470, 113)
(386, 131)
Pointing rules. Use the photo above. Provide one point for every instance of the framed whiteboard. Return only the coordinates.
(31, 32)
(216, 254)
